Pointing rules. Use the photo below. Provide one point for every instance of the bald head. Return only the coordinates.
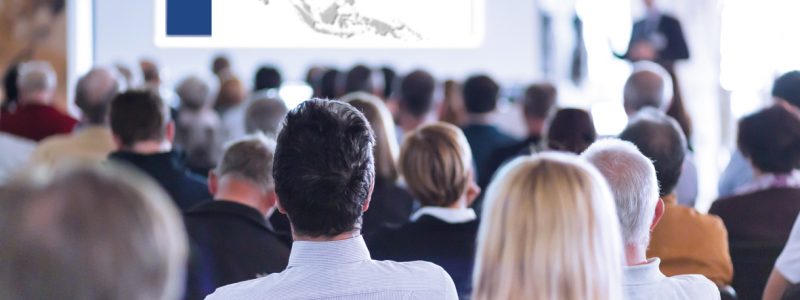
(632, 179)
(648, 86)
(94, 93)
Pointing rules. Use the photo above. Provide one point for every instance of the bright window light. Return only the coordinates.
(295, 92)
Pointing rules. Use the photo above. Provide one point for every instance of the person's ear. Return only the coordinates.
(213, 183)
(660, 209)
(369, 196)
(118, 142)
(170, 131)
(473, 190)
(278, 205)
(270, 199)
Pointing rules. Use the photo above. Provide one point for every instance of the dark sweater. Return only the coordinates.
(451, 246)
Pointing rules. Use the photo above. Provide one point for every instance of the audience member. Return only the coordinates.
(765, 210)
(198, 129)
(99, 232)
(651, 86)
(265, 115)
(415, 100)
(538, 104)
(324, 174)
(221, 67)
(633, 182)
(329, 84)
(571, 130)
(480, 99)
(151, 74)
(231, 94)
(787, 268)
(35, 118)
(686, 241)
(267, 77)
(739, 172)
(358, 79)
(437, 165)
(230, 238)
(126, 75)
(313, 76)
(10, 91)
(389, 76)
(390, 203)
(452, 108)
(532, 247)
(144, 133)
(92, 141)
(16, 153)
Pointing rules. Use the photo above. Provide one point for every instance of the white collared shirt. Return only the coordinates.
(344, 270)
(647, 282)
(449, 215)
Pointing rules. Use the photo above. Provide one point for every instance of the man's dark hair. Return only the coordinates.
(416, 93)
(770, 138)
(138, 116)
(220, 63)
(571, 130)
(539, 100)
(787, 87)
(660, 138)
(324, 167)
(480, 94)
(389, 76)
(267, 78)
(358, 79)
(329, 84)
(10, 85)
(94, 93)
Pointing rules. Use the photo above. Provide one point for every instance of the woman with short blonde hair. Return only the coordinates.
(549, 231)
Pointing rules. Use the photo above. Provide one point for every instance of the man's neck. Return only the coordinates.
(243, 193)
(481, 119)
(635, 255)
(338, 237)
(150, 147)
(409, 123)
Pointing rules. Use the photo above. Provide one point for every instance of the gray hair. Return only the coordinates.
(648, 86)
(36, 76)
(633, 182)
(193, 92)
(94, 232)
(94, 92)
(250, 159)
(265, 114)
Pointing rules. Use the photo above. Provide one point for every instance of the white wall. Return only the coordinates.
(124, 33)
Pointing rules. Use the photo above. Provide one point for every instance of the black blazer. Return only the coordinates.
(230, 242)
(451, 246)
(670, 28)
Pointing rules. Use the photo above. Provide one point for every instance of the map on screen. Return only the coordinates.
(319, 23)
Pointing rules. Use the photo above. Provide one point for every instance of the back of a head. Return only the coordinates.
(250, 159)
(99, 232)
(416, 93)
(632, 179)
(480, 94)
(231, 93)
(194, 93)
(36, 77)
(267, 78)
(660, 138)
(94, 93)
(10, 90)
(220, 65)
(265, 114)
(150, 71)
(648, 86)
(571, 130)
(436, 162)
(539, 101)
(324, 167)
(358, 79)
(138, 116)
(329, 84)
(787, 87)
(389, 76)
(549, 231)
(770, 138)
(380, 119)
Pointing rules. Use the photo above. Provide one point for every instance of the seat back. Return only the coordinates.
(752, 265)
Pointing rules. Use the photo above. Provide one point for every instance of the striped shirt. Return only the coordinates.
(344, 270)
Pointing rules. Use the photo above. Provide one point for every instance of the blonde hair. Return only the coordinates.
(380, 119)
(436, 163)
(549, 231)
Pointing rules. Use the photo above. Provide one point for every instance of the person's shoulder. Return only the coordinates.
(250, 289)
(695, 286)
(417, 270)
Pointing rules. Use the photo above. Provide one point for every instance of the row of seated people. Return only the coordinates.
(140, 127)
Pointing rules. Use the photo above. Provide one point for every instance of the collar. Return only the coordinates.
(306, 253)
(771, 180)
(449, 215)
(643, 274)
(222, 206)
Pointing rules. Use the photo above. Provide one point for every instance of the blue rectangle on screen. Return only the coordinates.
(188, 17)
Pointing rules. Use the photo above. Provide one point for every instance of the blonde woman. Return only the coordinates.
(549, 231)
(391, 203)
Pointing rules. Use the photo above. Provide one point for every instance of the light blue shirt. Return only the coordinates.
(344, 270)
(738, 173)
